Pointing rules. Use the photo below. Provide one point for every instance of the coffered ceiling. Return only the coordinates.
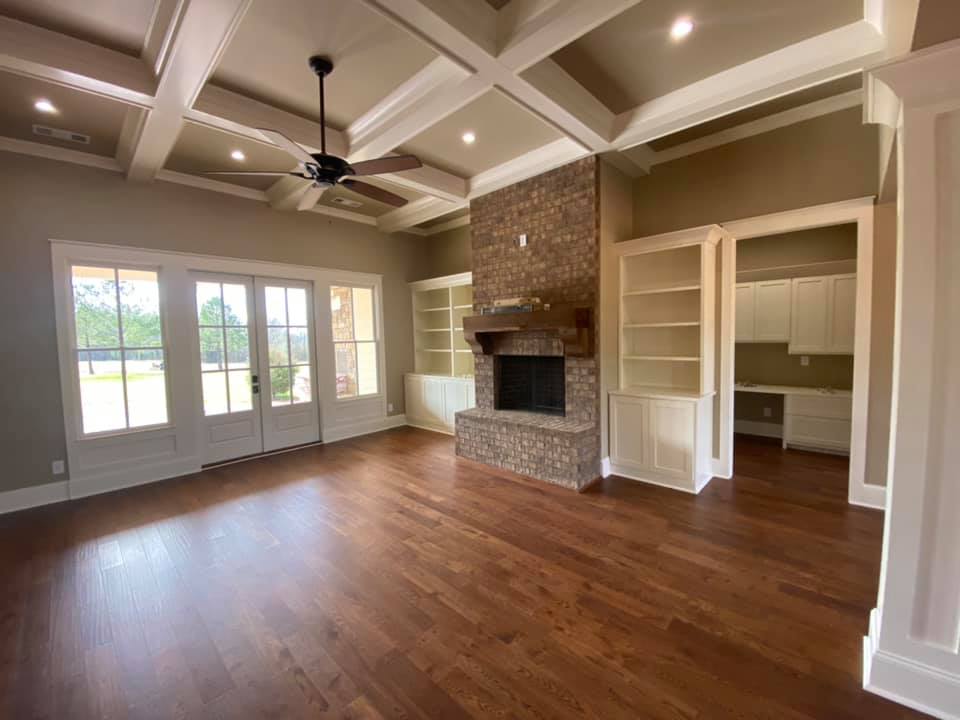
(168, 88)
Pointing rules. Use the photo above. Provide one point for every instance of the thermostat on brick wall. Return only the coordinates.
(522, 240)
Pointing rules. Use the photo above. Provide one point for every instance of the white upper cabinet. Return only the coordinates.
(773, 302)
(746, 302)
(823, 311)
(763, 311)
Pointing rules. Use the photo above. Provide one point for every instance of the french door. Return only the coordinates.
(256, 364)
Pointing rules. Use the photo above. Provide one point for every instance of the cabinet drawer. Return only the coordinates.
(819, 406)
(817, 431)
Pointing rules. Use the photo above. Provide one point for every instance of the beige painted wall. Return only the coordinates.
(447, 253)
(830, 158)
(769, 364)
(937, 21)
(838, 242)
(43, 199)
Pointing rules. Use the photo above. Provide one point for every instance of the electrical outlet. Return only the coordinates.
(522, 240)
(805, 360)
(389, 407)
(768, 412)
(59, 468)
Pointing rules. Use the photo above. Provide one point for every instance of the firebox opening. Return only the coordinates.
(534, 383)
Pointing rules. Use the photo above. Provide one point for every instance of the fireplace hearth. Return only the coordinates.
(533, 383)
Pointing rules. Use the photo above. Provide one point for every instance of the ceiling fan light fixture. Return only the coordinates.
(681, 28)
(469, 137)
(238, 155)
(45, 106)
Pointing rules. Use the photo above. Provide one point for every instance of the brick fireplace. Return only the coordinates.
(558, 211)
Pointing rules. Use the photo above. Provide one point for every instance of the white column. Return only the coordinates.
(912, 654)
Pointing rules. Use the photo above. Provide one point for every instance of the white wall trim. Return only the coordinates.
(759, 428)
(26, 147)
(97, 483)
(843, 101)
(661, 480)
(859, 211)
(33, 496)
(547, 157)
(902, 680)
(362, 427)
(449, 225)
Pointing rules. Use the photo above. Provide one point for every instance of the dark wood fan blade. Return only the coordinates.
(374, 193)
(251, 172)
(281, 140)
(392, 164)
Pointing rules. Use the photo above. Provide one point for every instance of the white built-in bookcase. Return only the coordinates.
(439, 306)
(667, 312)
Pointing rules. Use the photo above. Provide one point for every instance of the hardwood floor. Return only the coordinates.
(380, 577)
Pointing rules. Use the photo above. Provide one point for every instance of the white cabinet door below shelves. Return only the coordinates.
(673, 437)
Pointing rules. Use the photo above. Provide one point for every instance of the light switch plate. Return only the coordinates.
(389, 407)
(59, 468)
(804, 360)
(522, 240)
(768, 412)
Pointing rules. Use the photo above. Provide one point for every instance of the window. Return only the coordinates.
(224, 347)
(288, 345)
(354, 341)
(120, 357)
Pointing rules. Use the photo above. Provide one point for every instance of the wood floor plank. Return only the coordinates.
(382, 577)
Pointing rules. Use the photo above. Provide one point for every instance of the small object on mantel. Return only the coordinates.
(513, 305)
(516, 301)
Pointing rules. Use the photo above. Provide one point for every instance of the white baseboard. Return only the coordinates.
(759, 428)
(28, 497)
(363, 427)
(909, 683)
(661, 480)
(429, 426)
(605, 468)
(131, 477)
(870, 496)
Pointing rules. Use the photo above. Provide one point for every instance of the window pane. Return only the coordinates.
(367, 368)
(346, 364)
(276, 306)
(363, 313)
(238, 347)
(140, 308)
(101, 391)
(234, 304)
(297, 306)
(211, 349)
(299, 346)
(240, 396)
(95, 307)
(280, 386)
(277, 346)
(341, 313)
(214, 393)
(208, 304)
(146, 388)
(301, 384)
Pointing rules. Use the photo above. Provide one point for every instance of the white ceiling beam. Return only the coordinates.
(547, 27)
(438, 90)
(202, 35)
(35, 52)
(415, 213)
(810, 62)
(549, 156)
(160, 33)
(449, 225)
(853, 98)
(536, 27)
(53, 152)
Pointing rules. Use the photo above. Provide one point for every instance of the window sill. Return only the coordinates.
(166, 428)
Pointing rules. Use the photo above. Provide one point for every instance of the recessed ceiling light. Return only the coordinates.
(238, 155)
(681, 28)
(469, 137)
(45, 106)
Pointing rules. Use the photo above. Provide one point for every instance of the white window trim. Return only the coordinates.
(74, 349)
(377, 339)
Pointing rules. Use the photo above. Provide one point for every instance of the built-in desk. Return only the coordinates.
(812, 417)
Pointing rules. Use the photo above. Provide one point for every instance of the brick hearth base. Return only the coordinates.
(555, 449)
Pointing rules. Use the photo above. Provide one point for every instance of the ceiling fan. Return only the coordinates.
(324, 171)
